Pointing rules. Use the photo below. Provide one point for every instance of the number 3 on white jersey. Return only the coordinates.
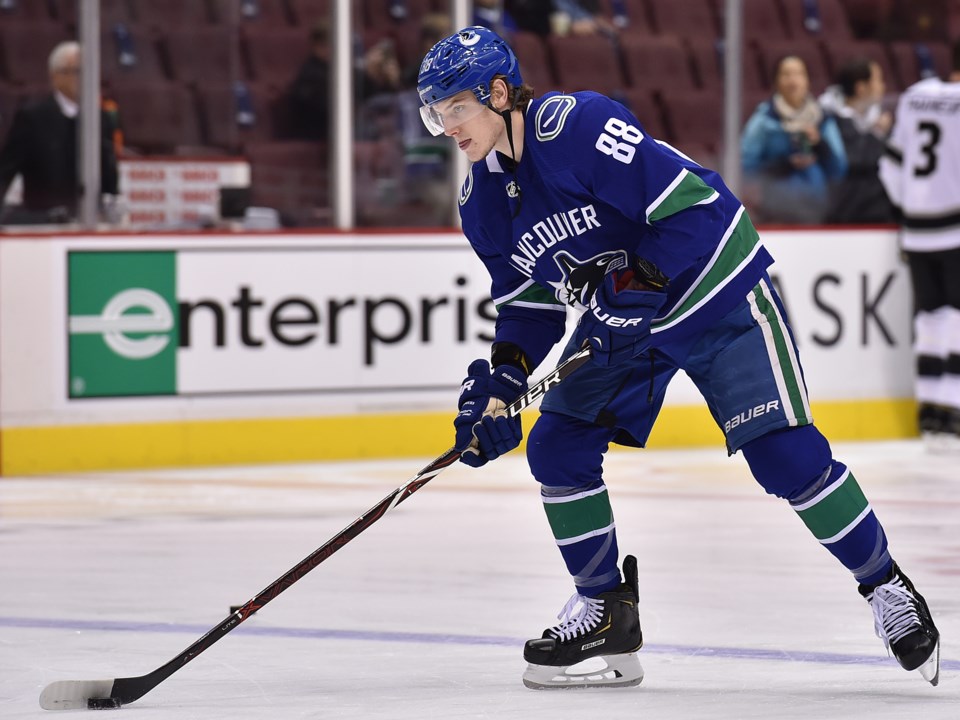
(622, 151)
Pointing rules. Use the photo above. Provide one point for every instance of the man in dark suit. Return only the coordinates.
(42, 147)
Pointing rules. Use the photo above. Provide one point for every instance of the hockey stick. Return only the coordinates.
(99, 694)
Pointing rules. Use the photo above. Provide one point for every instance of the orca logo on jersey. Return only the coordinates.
(581, 278)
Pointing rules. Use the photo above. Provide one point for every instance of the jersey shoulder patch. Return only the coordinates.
(551, 116)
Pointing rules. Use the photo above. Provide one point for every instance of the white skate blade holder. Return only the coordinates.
(601, 671)
(930, 670)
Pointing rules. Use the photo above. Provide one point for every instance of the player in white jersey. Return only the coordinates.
(921, 173)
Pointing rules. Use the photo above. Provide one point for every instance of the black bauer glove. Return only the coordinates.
(484, 429)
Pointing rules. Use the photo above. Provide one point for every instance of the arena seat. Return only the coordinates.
(534, 58)
(306, 13)
(224, 119)
(695, 116)
(708, 60)
(204, 54)
(111, 11)
(171, 13)
(644, 104)
(275, 54)
(264, 13)
(637, 17)
(763, 19)
(657, 63)
(586, 62)
(691, 19)
(158, 117)
(914, 61)
(129, 52)
(25, 48)
(834, 25)
(292, 177)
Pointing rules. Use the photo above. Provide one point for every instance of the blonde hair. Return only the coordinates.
(58, 56)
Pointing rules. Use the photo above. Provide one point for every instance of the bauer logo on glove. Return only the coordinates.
(484, 429)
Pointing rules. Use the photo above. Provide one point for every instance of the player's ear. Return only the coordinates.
(499, 95)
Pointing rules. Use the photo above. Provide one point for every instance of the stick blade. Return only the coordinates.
(74, 694)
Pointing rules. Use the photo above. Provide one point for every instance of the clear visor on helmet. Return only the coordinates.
(444, 115)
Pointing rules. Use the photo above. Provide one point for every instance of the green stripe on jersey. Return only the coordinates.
(741, 244)
(535, 294)
(689, 191)
(835, 511)
(578, 515)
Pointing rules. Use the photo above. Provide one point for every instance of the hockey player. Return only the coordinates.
(921, 173)
(569, 202)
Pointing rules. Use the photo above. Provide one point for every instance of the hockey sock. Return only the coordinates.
(838, 514)
(582, 523)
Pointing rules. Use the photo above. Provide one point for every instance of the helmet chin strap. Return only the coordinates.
(505, 114)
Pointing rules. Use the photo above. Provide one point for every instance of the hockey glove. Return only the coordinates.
(484, 430)
(617, 323)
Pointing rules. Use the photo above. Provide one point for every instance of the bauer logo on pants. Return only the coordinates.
(122, 324)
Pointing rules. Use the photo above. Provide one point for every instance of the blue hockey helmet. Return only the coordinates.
(467, 60)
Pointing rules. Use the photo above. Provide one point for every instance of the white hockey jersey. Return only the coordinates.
(921, 170)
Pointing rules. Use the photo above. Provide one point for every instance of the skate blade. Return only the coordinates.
(930, 670)
(601, 671)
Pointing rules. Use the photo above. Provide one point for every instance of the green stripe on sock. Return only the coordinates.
(836, 511)
(579, 517)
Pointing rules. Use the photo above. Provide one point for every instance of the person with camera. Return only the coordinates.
(792, 150)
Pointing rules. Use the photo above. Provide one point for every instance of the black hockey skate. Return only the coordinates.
(605, 631)
(902, 620)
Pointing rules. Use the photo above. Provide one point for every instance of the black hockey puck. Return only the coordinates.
(109, 703)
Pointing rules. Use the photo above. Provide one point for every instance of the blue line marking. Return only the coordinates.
(450, 639)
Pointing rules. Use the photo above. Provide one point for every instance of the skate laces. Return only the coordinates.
(579, 616)
(894, 611)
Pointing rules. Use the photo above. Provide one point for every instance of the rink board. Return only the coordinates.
(150, 350)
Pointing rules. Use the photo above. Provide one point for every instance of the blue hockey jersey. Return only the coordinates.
(591, 193)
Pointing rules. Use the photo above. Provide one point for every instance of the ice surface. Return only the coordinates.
(424, 615)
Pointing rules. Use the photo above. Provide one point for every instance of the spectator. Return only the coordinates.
(381, 70)
(310, 92)
(42, 148)
(921, 172)
(487, 13)
(433, 28)
(864, 125)
(792, 149)
(529, 15)
(579, 17)
(376, 77)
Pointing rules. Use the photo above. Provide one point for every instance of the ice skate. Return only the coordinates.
(902, 620)
(595, 643)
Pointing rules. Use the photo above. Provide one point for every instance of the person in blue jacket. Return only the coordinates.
(792, 150)
(569, 203)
